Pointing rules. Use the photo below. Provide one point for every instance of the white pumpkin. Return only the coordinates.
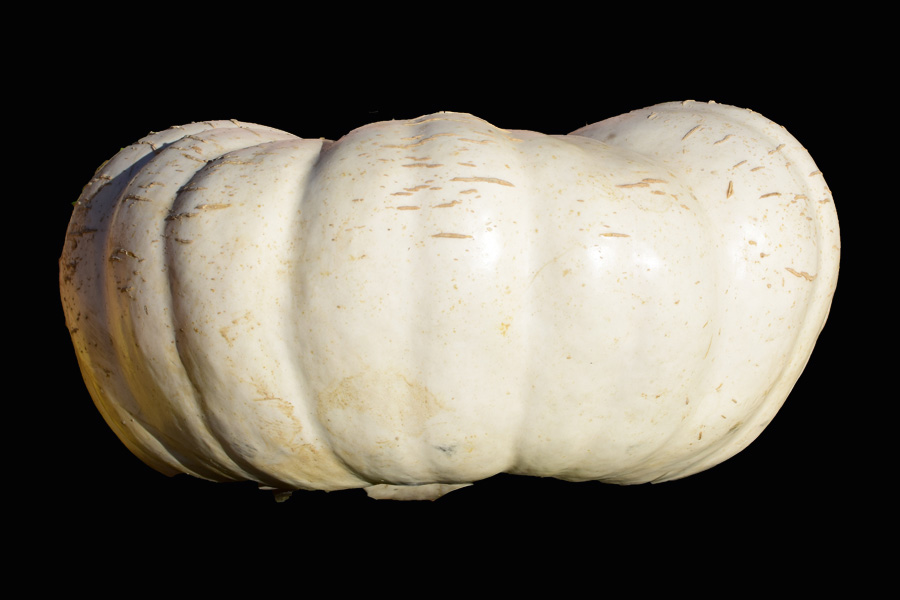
(427, 303)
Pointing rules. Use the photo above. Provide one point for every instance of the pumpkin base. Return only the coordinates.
(428, 491)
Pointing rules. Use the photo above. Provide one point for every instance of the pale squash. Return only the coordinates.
(427, 303)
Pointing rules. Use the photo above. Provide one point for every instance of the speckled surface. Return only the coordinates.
(439, 300)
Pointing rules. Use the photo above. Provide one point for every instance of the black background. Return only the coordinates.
(800, 487)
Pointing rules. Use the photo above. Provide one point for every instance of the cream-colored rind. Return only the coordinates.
(426, 303)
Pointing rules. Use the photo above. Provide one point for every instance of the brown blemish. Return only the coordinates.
(691, 132)
(124, 252)
(484, 180)
(642, 183)
(457, 236)
(420, 142)
(136, 198)
(802, 274)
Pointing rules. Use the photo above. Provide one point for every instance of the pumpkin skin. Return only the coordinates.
(426, 303)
